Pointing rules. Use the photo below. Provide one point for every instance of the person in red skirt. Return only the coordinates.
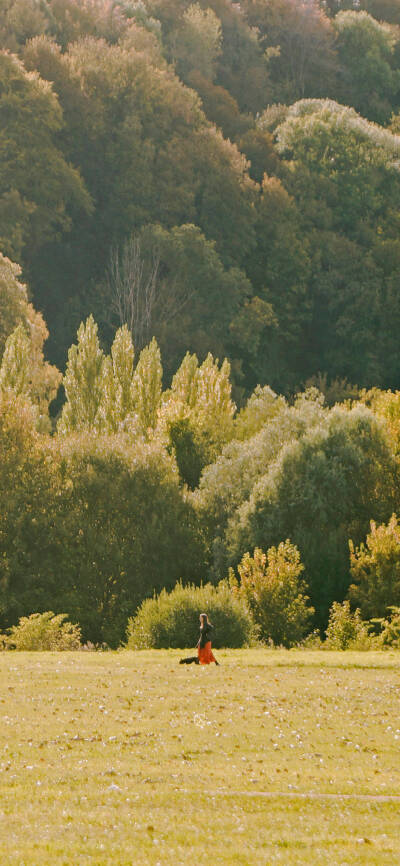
(204, 652)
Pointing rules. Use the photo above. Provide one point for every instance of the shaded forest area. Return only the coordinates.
(237, 164)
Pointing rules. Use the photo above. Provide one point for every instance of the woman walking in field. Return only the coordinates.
(204, 652)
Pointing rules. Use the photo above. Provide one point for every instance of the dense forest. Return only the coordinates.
(180, 183)
(243, 158)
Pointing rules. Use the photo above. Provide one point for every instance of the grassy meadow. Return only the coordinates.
(128, 758)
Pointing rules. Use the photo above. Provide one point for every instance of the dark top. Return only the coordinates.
(205, 634)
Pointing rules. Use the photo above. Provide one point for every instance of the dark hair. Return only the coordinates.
(204, 616)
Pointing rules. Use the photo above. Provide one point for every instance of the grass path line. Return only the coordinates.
(311, 795)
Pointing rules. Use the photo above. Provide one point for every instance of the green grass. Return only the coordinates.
(128, 758)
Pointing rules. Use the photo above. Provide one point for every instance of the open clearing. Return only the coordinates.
(128, 758)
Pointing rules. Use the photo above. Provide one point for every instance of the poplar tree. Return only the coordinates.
(83, 381)
(214, 408)
(15, 366)
(147, 387)
(205, 391)
(184, 383)
(197, 414)
(122, 356)
(107, 418)
(117, 378)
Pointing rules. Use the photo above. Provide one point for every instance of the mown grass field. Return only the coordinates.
(128, 758)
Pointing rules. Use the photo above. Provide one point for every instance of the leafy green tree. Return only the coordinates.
(242, 67)
(13, 299)
(197, 42)
(221, 108)
(29, 578)
(272, 589)
(349, 160)
(320, 491)
(382, 10)
(342, 171)
(375, 569)
(15, 367)
(346, 288)
(122, 355)
(258, 145)
(117, 379)
(23, 370)
(147, 387)
(299, 39)
(196, 416)
(184, 382)
(389, 636)
(227, 483)
(386, 405)
(174, 286)
(262, 405)
(83, 381)
(44, 632)
(189, 449)
(213, 409)
(88, 523)
(367, 77)
(138, 11)
(279, 270)
(346, 630)
(203, 394)
(21, 20)
(254, 331)
(42, 204)
(124, 531)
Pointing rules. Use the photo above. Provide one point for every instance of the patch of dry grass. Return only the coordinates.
(128, 758)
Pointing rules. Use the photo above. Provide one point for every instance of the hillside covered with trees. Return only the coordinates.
(238, 161)
(199, 302)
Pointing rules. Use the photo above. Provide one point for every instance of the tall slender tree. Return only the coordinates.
(83, 381)
(147, 387)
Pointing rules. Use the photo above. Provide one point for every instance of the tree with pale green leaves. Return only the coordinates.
(39, 189)
(122, 356)
(24, 371)
(271, 586)
(15, 368)
(203, 395)
(367, 78)
(117, 379)
(13, 299)
(320, 490)
(344, 173)
(198, 42)
(227, 483)
(183, 386)
(106, 392)
(147, 388)
(196, 414)
(375, 569)
(214, 408)
(262, 405)
(83, 381)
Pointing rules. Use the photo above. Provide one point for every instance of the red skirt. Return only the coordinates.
(205, 654)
